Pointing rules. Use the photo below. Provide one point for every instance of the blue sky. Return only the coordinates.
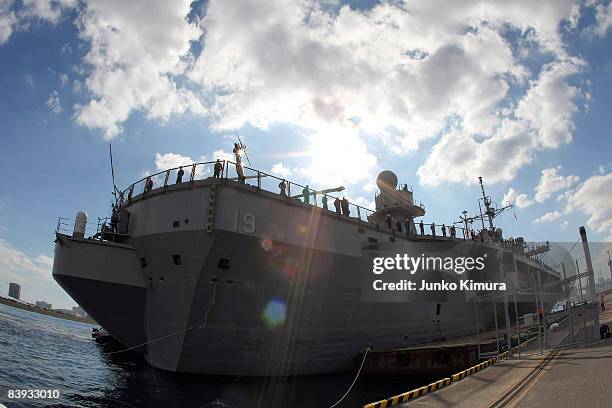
(325, 93)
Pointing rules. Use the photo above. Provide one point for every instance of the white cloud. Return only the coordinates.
(63, 79)
(7, 20)
(14, 18)
(401, 72)
(138, 50)
(564, 225)
(280, 170)
(171, 160)
(49, 11)
(168, 161)
(592, 198)
(523, 201)
(551, 182)
(549, 104)
(548, 217)
(221, 155)
(54, 102)
(603, 15)
(461, 156)
(514, 197)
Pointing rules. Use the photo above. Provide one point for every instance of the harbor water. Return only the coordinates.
(48, 353)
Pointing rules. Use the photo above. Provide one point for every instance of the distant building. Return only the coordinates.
(78, 311)
(14, 290)
(43, 305)
(65, 311)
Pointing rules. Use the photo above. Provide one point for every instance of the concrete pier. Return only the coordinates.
(571, 377)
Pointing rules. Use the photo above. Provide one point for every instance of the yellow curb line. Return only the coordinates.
(427, 389)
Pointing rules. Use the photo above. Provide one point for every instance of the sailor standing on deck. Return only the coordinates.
(218, 169)
(337, 205)
(179, 175)
(324, 201)
(238, 154)
(422, 228)
(149, 184)
(306, 194)
(345, 206)
(444, 230)
(433, 229)
(283, 187)
(115, 219)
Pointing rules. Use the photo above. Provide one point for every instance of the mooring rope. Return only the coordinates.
(354, 380)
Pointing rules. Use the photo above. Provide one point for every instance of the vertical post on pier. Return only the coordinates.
(496, 326)
(537, 304)
(518, 328)
(591, 274)
(477, 327)
(516, 288)
(581, 301)
(568, 303)
(545, 324)
(502, 269)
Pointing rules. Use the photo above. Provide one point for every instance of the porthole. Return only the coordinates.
(224, 263)
(176, 258)
(176, 224)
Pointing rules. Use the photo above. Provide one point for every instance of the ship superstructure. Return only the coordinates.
(230, 270)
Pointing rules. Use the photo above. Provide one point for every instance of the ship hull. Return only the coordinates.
(284, 297)
(262, 315)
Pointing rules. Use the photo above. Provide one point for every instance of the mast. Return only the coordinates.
(487, 202)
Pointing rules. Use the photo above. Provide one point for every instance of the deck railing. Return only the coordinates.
(293, 191)
(253, 177)
(264, 181)
(101, 229)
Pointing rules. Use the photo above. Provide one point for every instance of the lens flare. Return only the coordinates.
(274, 314)
(266, 244)
(290, 266)
(301, 229)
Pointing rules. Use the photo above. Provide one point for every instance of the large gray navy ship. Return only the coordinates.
(218, 268)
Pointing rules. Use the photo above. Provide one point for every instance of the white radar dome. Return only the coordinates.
(386, 180)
